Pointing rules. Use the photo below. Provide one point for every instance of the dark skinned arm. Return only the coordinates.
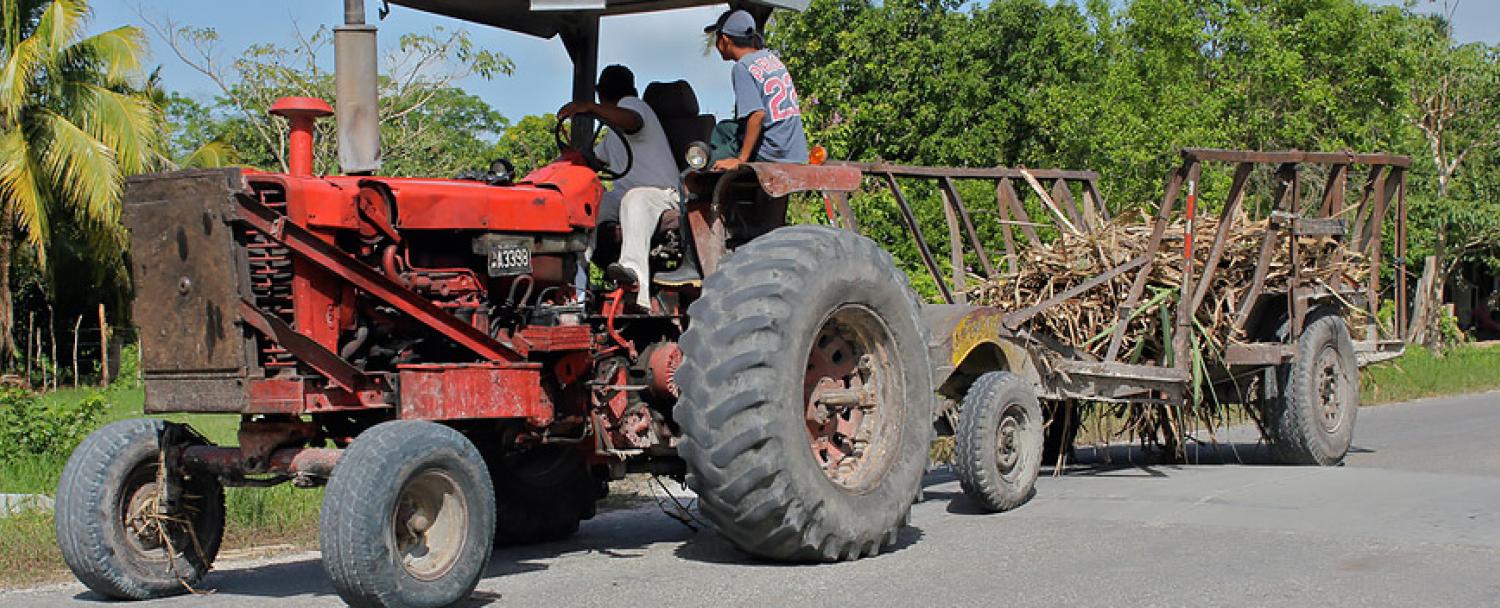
(626, 120)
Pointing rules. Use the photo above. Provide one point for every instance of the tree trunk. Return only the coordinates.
(77, 325)
(7, 310)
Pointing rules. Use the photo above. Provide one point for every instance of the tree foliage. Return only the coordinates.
(428, 125)
(72, 125)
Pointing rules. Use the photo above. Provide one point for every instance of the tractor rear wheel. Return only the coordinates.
(541, 494)
(112, 531)
(408, 517)
(807, 399)
(999, 441)
(1310, 416)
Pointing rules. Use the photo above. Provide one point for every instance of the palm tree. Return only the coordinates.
(71, 127)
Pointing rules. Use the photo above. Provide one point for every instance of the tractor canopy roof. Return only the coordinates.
(573, 18)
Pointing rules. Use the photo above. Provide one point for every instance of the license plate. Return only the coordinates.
(509, 259)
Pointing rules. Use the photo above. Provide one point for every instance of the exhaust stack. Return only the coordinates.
(356, 73)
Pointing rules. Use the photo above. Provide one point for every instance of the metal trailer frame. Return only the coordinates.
(969, 340)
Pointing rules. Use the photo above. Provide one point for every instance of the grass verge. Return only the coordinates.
(1469, 368)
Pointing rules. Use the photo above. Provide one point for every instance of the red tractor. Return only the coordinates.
(419, 347)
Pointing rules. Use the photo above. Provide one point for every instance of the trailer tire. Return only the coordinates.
(1310, 417)
(111, 475)
(541, 494)
(772, 320)
(408, 517)
(999, 411)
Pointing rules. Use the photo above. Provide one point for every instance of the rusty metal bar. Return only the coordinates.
(968, 224)
(230, 461)
(1231, 204)
(308, 246)
(916, 232)
(1011, 261)
(955, 252)
(994, 173)
(1138, 287)
(1401, 327)
(1180, 341)
(1333, 191)
(1091, 196)
(1009, 198)
(1362, 214)
(844, 211)
(1295, 156)
(1064, 197)
(308, 351)
(1296, 307)
(1267, 248)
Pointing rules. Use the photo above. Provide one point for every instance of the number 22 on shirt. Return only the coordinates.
(783, 97)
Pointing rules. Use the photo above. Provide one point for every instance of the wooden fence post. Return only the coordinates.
(77, 325)
(103, 347)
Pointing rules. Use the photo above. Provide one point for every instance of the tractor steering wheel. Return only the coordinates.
(561, 135)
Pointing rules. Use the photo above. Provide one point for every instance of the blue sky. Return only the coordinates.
(660, 46)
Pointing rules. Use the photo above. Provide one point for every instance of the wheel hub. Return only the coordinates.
(1330, 390)
(1006, 448)
(848, 389)
(429, 523)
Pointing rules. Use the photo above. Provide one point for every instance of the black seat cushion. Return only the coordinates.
(676, 106)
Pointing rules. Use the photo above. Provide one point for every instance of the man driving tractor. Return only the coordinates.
(650, 187)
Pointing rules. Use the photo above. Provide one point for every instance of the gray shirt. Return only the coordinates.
(762, 83)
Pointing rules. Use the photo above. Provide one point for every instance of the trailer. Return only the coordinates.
(1297, 362)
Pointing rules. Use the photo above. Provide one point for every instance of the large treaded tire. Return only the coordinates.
(1295, 421)
(998, 398)
(542, 494)
(97, 485)
(359, 538)
(745, 439)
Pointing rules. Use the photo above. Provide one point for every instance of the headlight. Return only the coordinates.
(696, 155)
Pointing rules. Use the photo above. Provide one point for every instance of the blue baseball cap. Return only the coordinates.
(733, 23)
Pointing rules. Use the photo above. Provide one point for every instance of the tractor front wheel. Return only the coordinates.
(116, 528)
(408, 517)
(807, 401)
(541, 494)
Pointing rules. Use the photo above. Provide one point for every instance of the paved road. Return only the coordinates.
(1414, 519)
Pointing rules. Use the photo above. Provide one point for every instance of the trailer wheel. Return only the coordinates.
(108, 528)
(999, 441)
(408, 517)
(1310, 416)
(541, 494)
(807, 402)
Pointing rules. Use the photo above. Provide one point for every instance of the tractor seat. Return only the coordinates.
(676, 107)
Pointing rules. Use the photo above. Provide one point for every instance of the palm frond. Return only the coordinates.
(211, 155)
(23, 188)
(125, 123)
(117, 53)
(81, 169)
(18, 74)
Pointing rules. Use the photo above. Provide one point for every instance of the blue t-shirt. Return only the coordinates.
(761, 83)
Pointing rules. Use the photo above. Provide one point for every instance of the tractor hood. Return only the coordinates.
(547, 18)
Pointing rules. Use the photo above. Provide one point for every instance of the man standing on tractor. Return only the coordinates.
(766, 105)
(651, 186)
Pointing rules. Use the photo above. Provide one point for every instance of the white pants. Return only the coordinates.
(640, 210)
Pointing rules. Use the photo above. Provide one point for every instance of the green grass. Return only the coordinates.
(255, 517)
(1418, 373)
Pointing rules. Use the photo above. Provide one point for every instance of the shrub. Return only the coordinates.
(29, 426)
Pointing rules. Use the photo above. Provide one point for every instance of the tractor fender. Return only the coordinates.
(968, 341)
